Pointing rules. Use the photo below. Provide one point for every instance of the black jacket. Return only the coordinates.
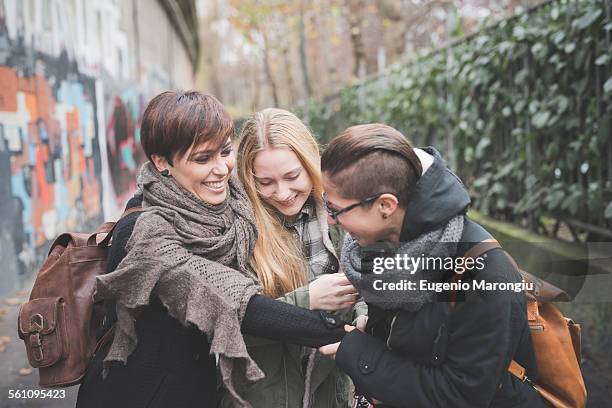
(171, 365)
(441, 356)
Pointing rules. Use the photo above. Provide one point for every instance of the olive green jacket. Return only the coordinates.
(288, 373)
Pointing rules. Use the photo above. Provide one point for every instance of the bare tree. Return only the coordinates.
(268, 70)
(303, 59)
(278, 47)
(354, 16)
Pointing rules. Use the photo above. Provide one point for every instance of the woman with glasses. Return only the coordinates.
(419, 350)
(334, 214)
(294, 258)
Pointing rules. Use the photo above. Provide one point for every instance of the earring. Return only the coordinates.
(165, 173)
(385, 216)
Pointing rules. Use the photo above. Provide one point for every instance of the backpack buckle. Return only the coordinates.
(36, 326)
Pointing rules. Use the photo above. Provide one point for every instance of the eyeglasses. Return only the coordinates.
(335, 213)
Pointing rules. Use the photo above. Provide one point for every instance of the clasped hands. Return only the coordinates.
(334, 292)
(330, 350)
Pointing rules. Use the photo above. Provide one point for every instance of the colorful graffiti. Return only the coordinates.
(50, 135)
(52, 173)
(123, 142)
(69, 132)
(49, 152)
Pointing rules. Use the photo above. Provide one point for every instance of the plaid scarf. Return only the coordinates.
(307, 226)
(310, 227)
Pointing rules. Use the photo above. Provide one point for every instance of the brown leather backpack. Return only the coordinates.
(556, 341)
(59, 323)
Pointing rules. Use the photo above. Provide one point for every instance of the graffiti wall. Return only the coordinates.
(74, 81)
(49, 152)
(124, 153)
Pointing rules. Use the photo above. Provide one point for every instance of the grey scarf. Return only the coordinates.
(441, 242)
(192, 256)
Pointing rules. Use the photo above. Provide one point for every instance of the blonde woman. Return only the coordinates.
(294, 257)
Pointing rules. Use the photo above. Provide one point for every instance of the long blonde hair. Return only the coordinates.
(278, 259)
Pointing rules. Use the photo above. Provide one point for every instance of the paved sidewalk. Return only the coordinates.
(13, 359)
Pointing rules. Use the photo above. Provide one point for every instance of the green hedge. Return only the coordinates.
(522, 111)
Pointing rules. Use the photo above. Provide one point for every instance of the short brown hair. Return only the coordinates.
(366, 160)
(176, 120)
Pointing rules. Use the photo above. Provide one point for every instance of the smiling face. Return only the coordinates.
(282, 181)
(204, 170)
(381, 220)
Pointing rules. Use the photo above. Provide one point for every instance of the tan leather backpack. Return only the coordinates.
(556, 341)
(59, 323)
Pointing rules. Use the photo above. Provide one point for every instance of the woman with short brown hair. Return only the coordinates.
(177, 285)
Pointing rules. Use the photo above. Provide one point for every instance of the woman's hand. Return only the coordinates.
(330, 350)
(361, 322)
(332, 292)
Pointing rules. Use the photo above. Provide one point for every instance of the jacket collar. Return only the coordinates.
(439, 195)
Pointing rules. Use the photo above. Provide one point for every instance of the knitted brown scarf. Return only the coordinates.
(193, 257)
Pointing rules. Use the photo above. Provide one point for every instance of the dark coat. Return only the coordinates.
(441, 356)
(170, 367)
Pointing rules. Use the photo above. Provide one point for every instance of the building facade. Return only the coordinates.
(75, 76)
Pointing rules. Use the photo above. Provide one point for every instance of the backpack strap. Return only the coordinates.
(518, 371)
(480, 248)
(476, 251)
(110, 333)
(106, 338)
(109, 231)
(106, 228)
